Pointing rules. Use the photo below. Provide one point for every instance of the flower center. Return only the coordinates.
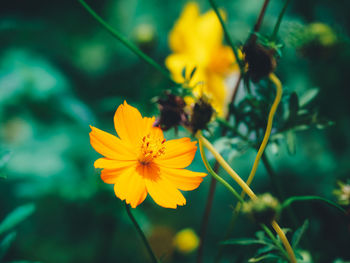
(151, 148)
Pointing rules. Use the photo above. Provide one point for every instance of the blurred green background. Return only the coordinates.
(60, 72)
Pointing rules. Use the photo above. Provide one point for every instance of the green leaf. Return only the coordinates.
(291, 145)
(268, 256)
(193, 72)
(308, 96)
(16, 216)
(299, 233)
(6, 243)
(244, 242)
(293, 106)
(183, 72)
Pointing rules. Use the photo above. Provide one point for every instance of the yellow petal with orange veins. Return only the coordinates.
(162, 191)
(130, 186)
(112, 164)
(182, 179)
(110, 146)
(127, 120)
(178, 153)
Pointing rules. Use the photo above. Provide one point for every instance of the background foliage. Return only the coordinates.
(60, 72)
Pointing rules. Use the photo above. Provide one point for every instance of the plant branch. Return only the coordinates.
(279, 20)
(125, 41)
(142, 235)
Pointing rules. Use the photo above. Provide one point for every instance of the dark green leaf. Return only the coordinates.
(244, 241)
(293, 106)
(193, 72)
(6, 243)
(16, 216)
(183, 72)
(299, 233)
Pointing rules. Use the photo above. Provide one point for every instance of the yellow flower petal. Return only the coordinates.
(130, 186)
(182, 179)
(179, 153)
(162, 191)
(113, 164)
(129, 123)
(179, 36)
(110, 146)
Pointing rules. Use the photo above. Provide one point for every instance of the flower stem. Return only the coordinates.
(279, 20)
(142, 235)
(227, 36)
(226, 167)
(261, 16)
(285, 241)
(265, 140)
(274, 239)
(125, 41)
(211, 171)
(247, 190)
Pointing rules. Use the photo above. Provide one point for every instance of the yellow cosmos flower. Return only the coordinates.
(196, 41)
(141, 161)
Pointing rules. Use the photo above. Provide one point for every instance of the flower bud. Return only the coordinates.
(263, 210)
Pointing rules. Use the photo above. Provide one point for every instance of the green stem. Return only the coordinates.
(293, 199)
(227, 36)
(125, 41)
(274, 239)
(142, 235)
(279, 20)
(215, 175)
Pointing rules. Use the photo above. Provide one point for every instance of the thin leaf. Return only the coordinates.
(308, 96)
(265, 249)
(268, 256)
(290, 140)
(183, 72)
(293, 199)
(244, 242)
(299, 233)
(293, 106)
(16, 216)
(193, 72)
(6, 243)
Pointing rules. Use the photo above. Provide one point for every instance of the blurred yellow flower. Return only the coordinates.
(196, 41)
(186, 241)
(142, 161)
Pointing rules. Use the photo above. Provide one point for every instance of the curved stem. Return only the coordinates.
(248, 191)
(226, 167)
(227, 36)
(125, 41)
(142, 235)
(211, 171)
(293, 199)
(265, 140)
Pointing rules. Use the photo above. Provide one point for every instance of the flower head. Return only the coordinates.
(186, 241)
(142, 161)
(196, 42)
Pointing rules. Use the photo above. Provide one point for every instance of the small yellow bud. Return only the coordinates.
(186, 241)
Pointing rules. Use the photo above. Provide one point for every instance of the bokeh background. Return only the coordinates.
(60, 72)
